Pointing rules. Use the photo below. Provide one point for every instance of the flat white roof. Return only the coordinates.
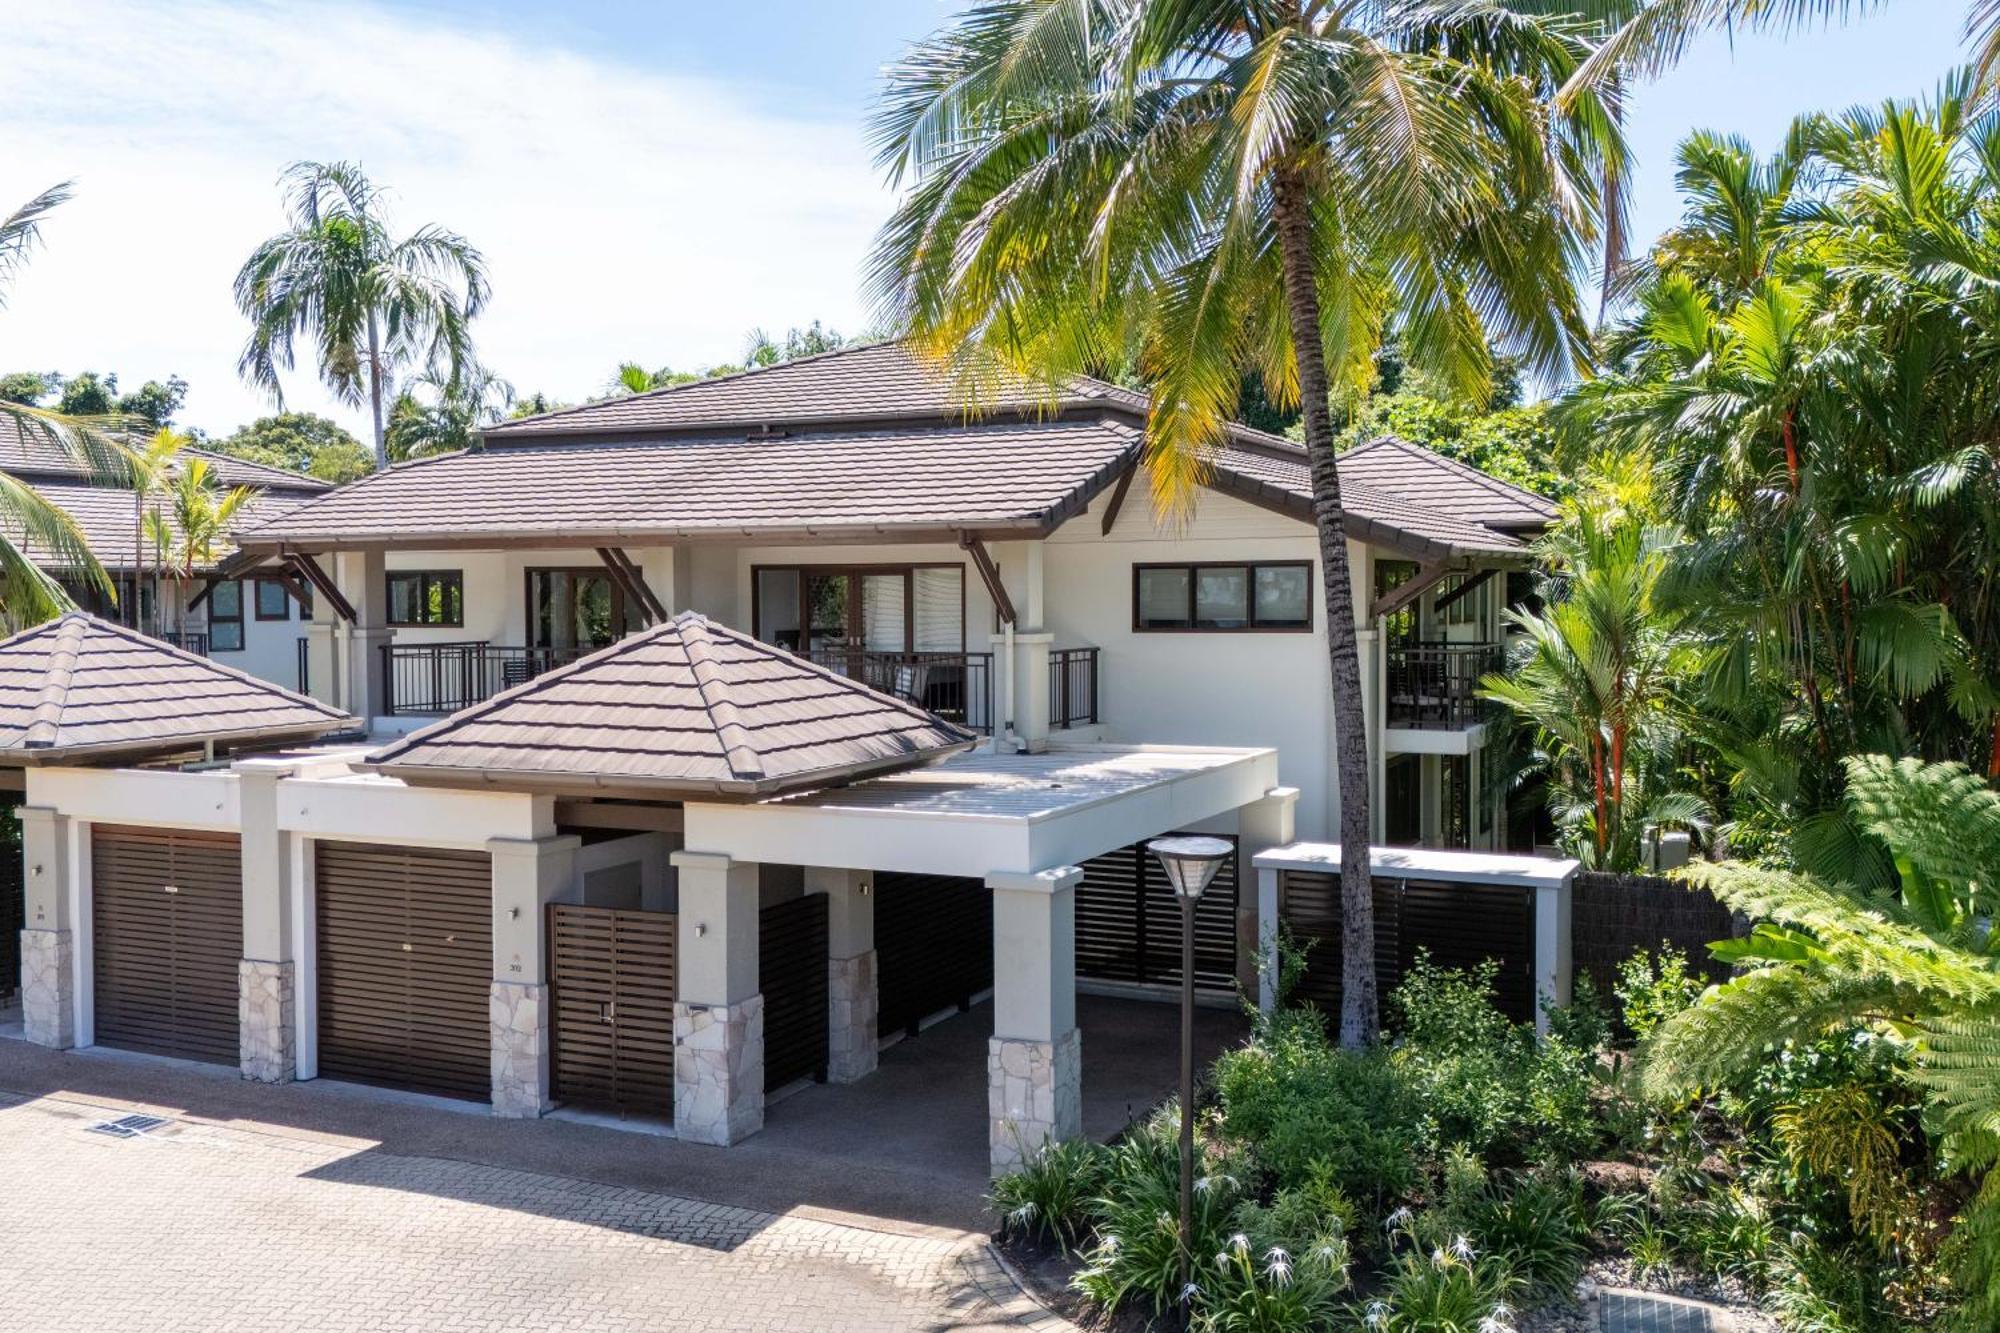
(979, 813)
(1427, 863)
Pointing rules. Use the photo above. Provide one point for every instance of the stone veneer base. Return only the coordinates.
(266, 1023)
(718, 1071)
(48, 988)
(1034, 1094)
(851, 1000)
(519, 1015)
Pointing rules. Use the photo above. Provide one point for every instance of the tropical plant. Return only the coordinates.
(193, 530)
(1048, 1198)
(369, 302)
(1206, 188)
(300, 442)
(437, 414)
(1275, 1290)
(1137, 1255)
(152, 465)
(33, 532)
(1921, 962)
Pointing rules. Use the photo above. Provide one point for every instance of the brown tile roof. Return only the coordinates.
(989, 477)
(686, 706)
(1444, 484)
(83, 686)
(105, 513)
(28, 451)
(1374, 513)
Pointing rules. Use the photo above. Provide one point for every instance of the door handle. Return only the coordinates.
(607, 1011)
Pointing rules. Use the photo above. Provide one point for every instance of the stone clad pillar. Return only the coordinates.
(1034, 1061)
(48, 941)
(1260, 826)
(528, 874)
(852, 997)
(719, 1010)
(267, 985)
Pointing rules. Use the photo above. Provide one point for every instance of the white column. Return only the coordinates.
(1552, 949)
(1374, 685)
(363, 581)
(1031, 688)
(48, 940)
(1260, 826)
(1034, 1062)
(528, 874)
(1032, 609)
(267, 984)
(719, 1011)
(322, 654)
(850, 970)
(668, 573)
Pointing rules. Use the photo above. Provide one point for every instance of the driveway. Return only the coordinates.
(263, 1210)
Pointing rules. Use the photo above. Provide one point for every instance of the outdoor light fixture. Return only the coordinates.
(1191, 865)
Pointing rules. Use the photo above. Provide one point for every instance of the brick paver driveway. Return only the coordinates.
(207, 1226)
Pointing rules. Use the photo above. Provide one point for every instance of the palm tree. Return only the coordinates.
(151, 465)
(1919, 963)
(1210, 187)
(439, 415)
(34, 532)
(369, 302)
(194, 530)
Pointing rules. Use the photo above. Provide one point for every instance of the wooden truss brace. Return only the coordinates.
(1118, 496)
(989, 574)
(309, 569)
(1462, 589)
(1429, 574)
(632, 583)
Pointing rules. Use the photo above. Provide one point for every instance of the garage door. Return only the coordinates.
(166, 940)
(405, 951)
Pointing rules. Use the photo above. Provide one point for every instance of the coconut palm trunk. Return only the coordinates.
(1358, 1001)
(375, 393)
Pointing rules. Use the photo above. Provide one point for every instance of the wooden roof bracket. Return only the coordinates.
(1118, 495)
(1462, 589)
(310, 570)
(633, 583)
(1429, 574)
(989, 574)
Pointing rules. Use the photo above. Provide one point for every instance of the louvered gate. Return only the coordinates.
(1458, 925)
(613, 982)
(933, 946)
(405, 956)
(1128, 924)
(791, 972)
(166, 940)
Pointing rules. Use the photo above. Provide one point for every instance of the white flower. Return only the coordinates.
(1493, 1323)
(1239, 1242)
(1461, 1249)
(1377, 1314)
(1278, 1266)
(1189, 1292)
(1402, 1217)
(1110, 1242)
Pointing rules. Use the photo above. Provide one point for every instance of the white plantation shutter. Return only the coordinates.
(939, 609)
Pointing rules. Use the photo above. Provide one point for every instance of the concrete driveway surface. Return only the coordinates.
(275, 1216)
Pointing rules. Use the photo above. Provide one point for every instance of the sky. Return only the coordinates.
(647, 181)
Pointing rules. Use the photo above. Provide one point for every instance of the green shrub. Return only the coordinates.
(1302, 1107)
(1301, 1215)
(1048, 1198)
(1137, 1219)
(1539, 1225)
(1448, 1288)
(1730, 1234)
(1272, 1290)
(1820, 1289)
(1654, 987)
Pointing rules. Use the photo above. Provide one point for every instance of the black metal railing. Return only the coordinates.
(437, 678)
(1072, 687)
(1435, 686)
(958, 687)
(192, 641)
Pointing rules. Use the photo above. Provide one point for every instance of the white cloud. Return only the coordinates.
(622, 214)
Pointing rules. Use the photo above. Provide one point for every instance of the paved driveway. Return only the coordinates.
(206, 1225)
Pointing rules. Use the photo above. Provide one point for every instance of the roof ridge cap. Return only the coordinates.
(744, 761)
(46, 725)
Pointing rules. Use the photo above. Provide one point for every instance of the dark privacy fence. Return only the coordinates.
(13, 900)
(1614, 916)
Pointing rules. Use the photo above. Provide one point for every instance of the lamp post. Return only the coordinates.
(1190, 864)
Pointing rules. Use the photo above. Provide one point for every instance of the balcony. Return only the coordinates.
(432, 679)
(193, 641)
(957, 687)
(1435, 686)
(1072, 688)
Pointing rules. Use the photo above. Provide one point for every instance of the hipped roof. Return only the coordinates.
(687, 706)
(82, 687)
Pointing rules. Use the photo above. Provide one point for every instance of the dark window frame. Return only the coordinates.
(1250, 623)
(425, 580)
(284, 611)
(216, 619)
(908, 570)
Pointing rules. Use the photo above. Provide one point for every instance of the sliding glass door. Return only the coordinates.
(574, 611)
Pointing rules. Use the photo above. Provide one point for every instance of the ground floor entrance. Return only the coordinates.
(166, 940)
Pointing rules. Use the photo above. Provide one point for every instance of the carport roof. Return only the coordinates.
(688, 706)
(81, 687)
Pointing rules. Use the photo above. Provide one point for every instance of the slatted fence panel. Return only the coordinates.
(933, 946)
(1128, 924)
(791, 971)
(612, 983)
(13, 900)
(166, 940)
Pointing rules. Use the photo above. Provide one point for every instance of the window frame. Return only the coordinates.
(907, 569)
(1249, 568)
(258, 585)
(424, 578)
(215, 617)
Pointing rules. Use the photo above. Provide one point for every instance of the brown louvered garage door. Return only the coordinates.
(612, 977)
(405, 965)
(1128, 923)
(166, 940)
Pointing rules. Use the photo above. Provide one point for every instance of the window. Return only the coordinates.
(225, 618)
(1222, 596)
(426, 597)
(829, 612)
(274, 602)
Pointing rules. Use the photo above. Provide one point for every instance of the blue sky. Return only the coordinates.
(647, 180)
